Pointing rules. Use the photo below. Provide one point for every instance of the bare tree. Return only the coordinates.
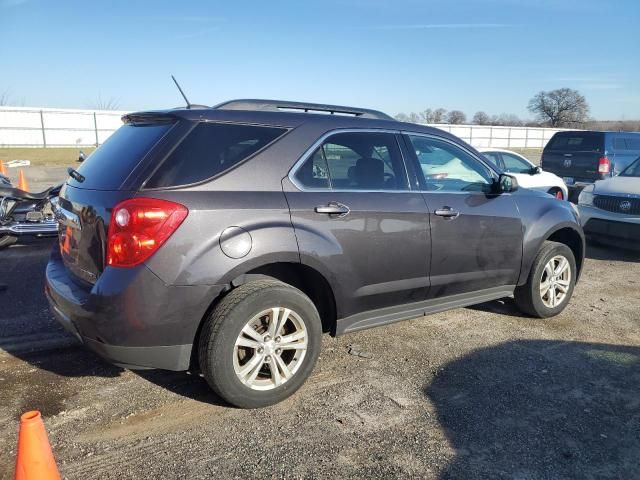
(427, 115)
(439, 115)
(402, 117)
(456, 117)
(110, 103)
(561, 107)
(4, 98)
(414, 117)
(507, 120)
(481, 118)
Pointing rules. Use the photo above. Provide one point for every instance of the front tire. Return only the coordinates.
(260, 343)
(550, 283)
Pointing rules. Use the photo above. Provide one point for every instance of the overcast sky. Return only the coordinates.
(397, 56)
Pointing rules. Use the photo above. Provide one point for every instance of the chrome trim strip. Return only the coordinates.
(311, 150)
(48, 227)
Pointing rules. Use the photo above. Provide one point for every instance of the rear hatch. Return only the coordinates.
(108, 176)
(574, 156)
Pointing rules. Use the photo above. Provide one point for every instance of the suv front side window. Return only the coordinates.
(355, 161)
(445, 167)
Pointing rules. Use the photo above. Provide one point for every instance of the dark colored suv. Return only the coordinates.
(232, 237)
(582, 157)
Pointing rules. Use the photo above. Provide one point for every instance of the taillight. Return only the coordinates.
(604, 165)
(139, 227)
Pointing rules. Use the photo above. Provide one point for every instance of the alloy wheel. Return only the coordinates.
(555, 281)
(270, 348)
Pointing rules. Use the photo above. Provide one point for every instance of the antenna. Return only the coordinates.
(181, 92)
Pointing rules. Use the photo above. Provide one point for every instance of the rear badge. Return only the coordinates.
(567, 162)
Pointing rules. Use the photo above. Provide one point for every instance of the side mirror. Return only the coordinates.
(536, 171)
(82, 157)
(506, 184)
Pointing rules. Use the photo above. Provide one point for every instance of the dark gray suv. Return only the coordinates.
(231, 238)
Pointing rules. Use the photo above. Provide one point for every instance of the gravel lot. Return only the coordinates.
(472, 393)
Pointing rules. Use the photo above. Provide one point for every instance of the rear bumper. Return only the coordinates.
(130, 317)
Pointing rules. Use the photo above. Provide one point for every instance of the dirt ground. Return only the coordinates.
(473, 393)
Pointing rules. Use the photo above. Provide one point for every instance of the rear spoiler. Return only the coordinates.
(149, 117)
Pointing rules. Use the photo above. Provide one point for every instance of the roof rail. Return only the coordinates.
(282, 105)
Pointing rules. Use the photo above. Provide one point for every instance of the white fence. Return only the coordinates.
(48, 127)
(481, 136)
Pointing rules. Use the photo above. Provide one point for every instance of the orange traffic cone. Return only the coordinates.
(35, 459)
(3, 169)
(22, 182)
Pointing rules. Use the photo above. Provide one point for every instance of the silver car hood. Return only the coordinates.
(618, 186)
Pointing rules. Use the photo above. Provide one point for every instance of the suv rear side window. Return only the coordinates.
(210, 149)
(577, 141)
(355, 161)
(110, 165)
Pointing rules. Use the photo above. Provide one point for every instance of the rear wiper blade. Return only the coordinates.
(77, 176)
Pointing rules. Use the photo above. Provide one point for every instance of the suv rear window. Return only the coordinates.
(577, 141)
(210, 149)
(110, 165)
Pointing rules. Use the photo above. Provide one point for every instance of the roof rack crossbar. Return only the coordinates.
(282, 105)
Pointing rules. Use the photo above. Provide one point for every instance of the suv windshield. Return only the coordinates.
(632, 170)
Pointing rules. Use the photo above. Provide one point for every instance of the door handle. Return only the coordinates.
(333, 208)
(447, 212)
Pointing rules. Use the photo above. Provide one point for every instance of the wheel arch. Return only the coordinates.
(567, 233)
(573, 239)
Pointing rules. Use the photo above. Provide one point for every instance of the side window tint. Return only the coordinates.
(449, 168)
(365, 161)
(210, 149)
(313, 173)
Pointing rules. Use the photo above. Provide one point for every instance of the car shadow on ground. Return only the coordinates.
(504, 306)
(191, 385)
(541, 409)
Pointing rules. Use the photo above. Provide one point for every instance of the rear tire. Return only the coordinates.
(550, 283)
(260, 343)
(7, 240)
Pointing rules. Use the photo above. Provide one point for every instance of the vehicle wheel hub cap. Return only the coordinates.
(270, 348)
(555, 281)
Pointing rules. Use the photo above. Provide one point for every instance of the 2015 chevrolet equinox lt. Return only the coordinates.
(234, 236)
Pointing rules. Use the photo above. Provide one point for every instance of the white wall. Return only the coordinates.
(30, 127)
(501, 137)
(38, 127)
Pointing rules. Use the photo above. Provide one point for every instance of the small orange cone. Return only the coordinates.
(3, 169)
(22, 182)
(35, 459)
